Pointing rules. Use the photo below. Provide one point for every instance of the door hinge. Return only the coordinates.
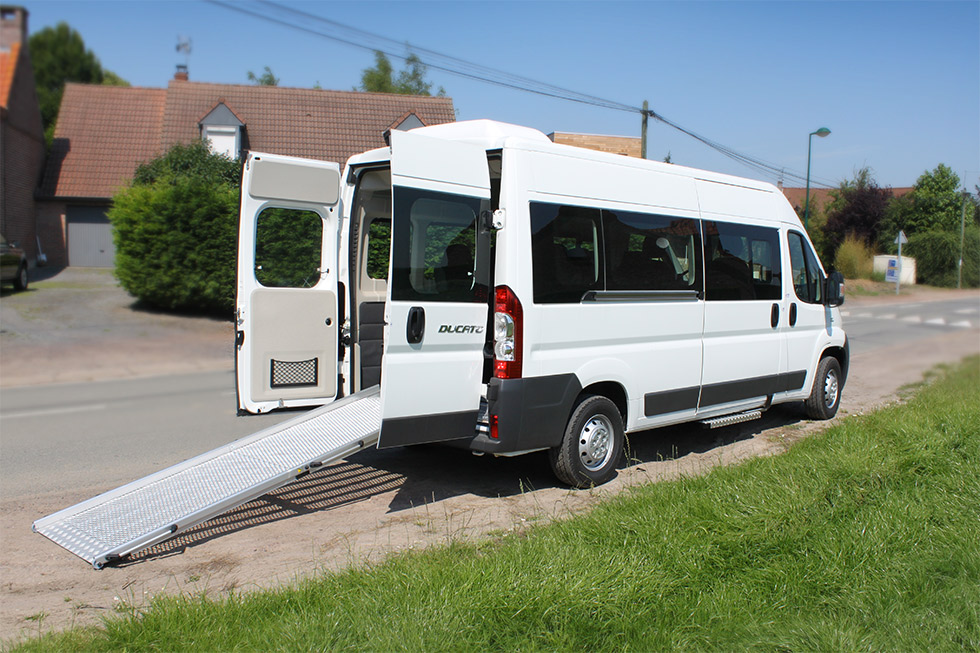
(497, 221)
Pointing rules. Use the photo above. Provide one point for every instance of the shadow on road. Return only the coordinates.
(428, 474)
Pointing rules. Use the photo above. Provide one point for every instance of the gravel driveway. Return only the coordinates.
(77, 324)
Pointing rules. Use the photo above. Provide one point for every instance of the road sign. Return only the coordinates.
(891, 273)
(897, 275)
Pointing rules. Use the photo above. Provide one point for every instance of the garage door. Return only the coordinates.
(89, 237)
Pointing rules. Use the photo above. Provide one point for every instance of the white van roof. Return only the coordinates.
(494, 135)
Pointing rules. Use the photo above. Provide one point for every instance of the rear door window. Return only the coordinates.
(434, 247)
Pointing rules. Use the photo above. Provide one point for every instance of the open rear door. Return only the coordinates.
(286, 316)
(437, 301)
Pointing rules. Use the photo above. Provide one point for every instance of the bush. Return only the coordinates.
(175, 231)
(854, 259)
(937, 254)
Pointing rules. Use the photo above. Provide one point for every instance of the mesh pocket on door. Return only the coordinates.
(294, 374)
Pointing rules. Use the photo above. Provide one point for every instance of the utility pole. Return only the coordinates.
(643, 130)
(959, 268)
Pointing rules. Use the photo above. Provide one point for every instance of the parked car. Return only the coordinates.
(13, 264)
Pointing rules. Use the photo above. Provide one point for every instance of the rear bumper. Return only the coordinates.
(530, 413)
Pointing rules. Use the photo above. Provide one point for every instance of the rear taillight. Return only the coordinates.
(508, 334)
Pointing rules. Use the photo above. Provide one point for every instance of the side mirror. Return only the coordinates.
(834, 289)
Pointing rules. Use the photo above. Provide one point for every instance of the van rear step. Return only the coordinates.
(162, 505)
(728, 420)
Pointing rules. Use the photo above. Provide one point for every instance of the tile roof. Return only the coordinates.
(8, 64)
(103, 135)
(821, 196)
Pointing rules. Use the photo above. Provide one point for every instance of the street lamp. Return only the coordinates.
(823, 131)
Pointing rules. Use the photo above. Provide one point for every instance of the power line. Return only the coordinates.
(455, 66)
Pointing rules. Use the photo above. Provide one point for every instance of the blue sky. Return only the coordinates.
(898, 83)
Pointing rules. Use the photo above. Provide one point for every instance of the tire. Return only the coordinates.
(824, 398)
(592, 446)
(20, 283)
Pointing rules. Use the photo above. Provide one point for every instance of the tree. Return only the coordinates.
(175, 230)
(410, 81)
(59, 55)
(857, 208)
(934, 204)
(815, 227)
(265, 79)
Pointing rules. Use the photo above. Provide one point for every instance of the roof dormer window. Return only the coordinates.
(222, 129)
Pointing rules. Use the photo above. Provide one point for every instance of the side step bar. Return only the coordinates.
(162, 505)
(728, 420)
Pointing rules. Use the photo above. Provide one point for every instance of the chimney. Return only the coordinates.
(181, 74)
(13, 26)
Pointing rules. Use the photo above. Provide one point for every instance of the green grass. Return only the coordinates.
(864, 537)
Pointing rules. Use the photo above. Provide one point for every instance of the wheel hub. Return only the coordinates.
(595, 442)
(830, 390)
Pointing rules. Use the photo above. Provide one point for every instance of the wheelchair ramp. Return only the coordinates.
(162, 505)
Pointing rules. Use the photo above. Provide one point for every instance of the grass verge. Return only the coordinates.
(866, 536)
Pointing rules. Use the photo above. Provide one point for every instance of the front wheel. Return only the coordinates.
(592, 445)
(20, 283)
(824, 398)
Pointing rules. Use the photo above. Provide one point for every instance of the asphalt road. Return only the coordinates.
(871, 326)
(70, 437)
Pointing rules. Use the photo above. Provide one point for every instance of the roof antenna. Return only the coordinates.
(183, 45)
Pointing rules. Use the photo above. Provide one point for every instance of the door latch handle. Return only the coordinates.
(415, 328)
(774, 316)
(792, 315)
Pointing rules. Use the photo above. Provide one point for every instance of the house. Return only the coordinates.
(21, 134)
(625, 145)
(821, 197)
(105, 132)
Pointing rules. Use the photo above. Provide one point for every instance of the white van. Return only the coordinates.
(513, 295)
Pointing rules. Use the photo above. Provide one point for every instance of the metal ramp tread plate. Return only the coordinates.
(162, 505)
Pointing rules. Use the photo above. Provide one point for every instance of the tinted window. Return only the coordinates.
(807, 280)
(434, 247)
(651, 252)
(378, 248)
(566, 252)
(741, 262)
(287, 248)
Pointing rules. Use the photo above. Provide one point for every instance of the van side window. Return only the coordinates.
(651, 252)
(566, 252)
(434, 247)
(741, 262)
(807, 280)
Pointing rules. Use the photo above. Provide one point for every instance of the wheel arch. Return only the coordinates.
(611, 390)
(842, 354)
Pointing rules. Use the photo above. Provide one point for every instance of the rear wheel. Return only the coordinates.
(592, 445)
(20, 283)
(824, 398)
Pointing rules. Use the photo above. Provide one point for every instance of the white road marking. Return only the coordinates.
(912, 318)
(962, 324)
(937, 320)
(967, 311)
(863, 315)
(845, 313)
(887, 316)
(55, 411)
